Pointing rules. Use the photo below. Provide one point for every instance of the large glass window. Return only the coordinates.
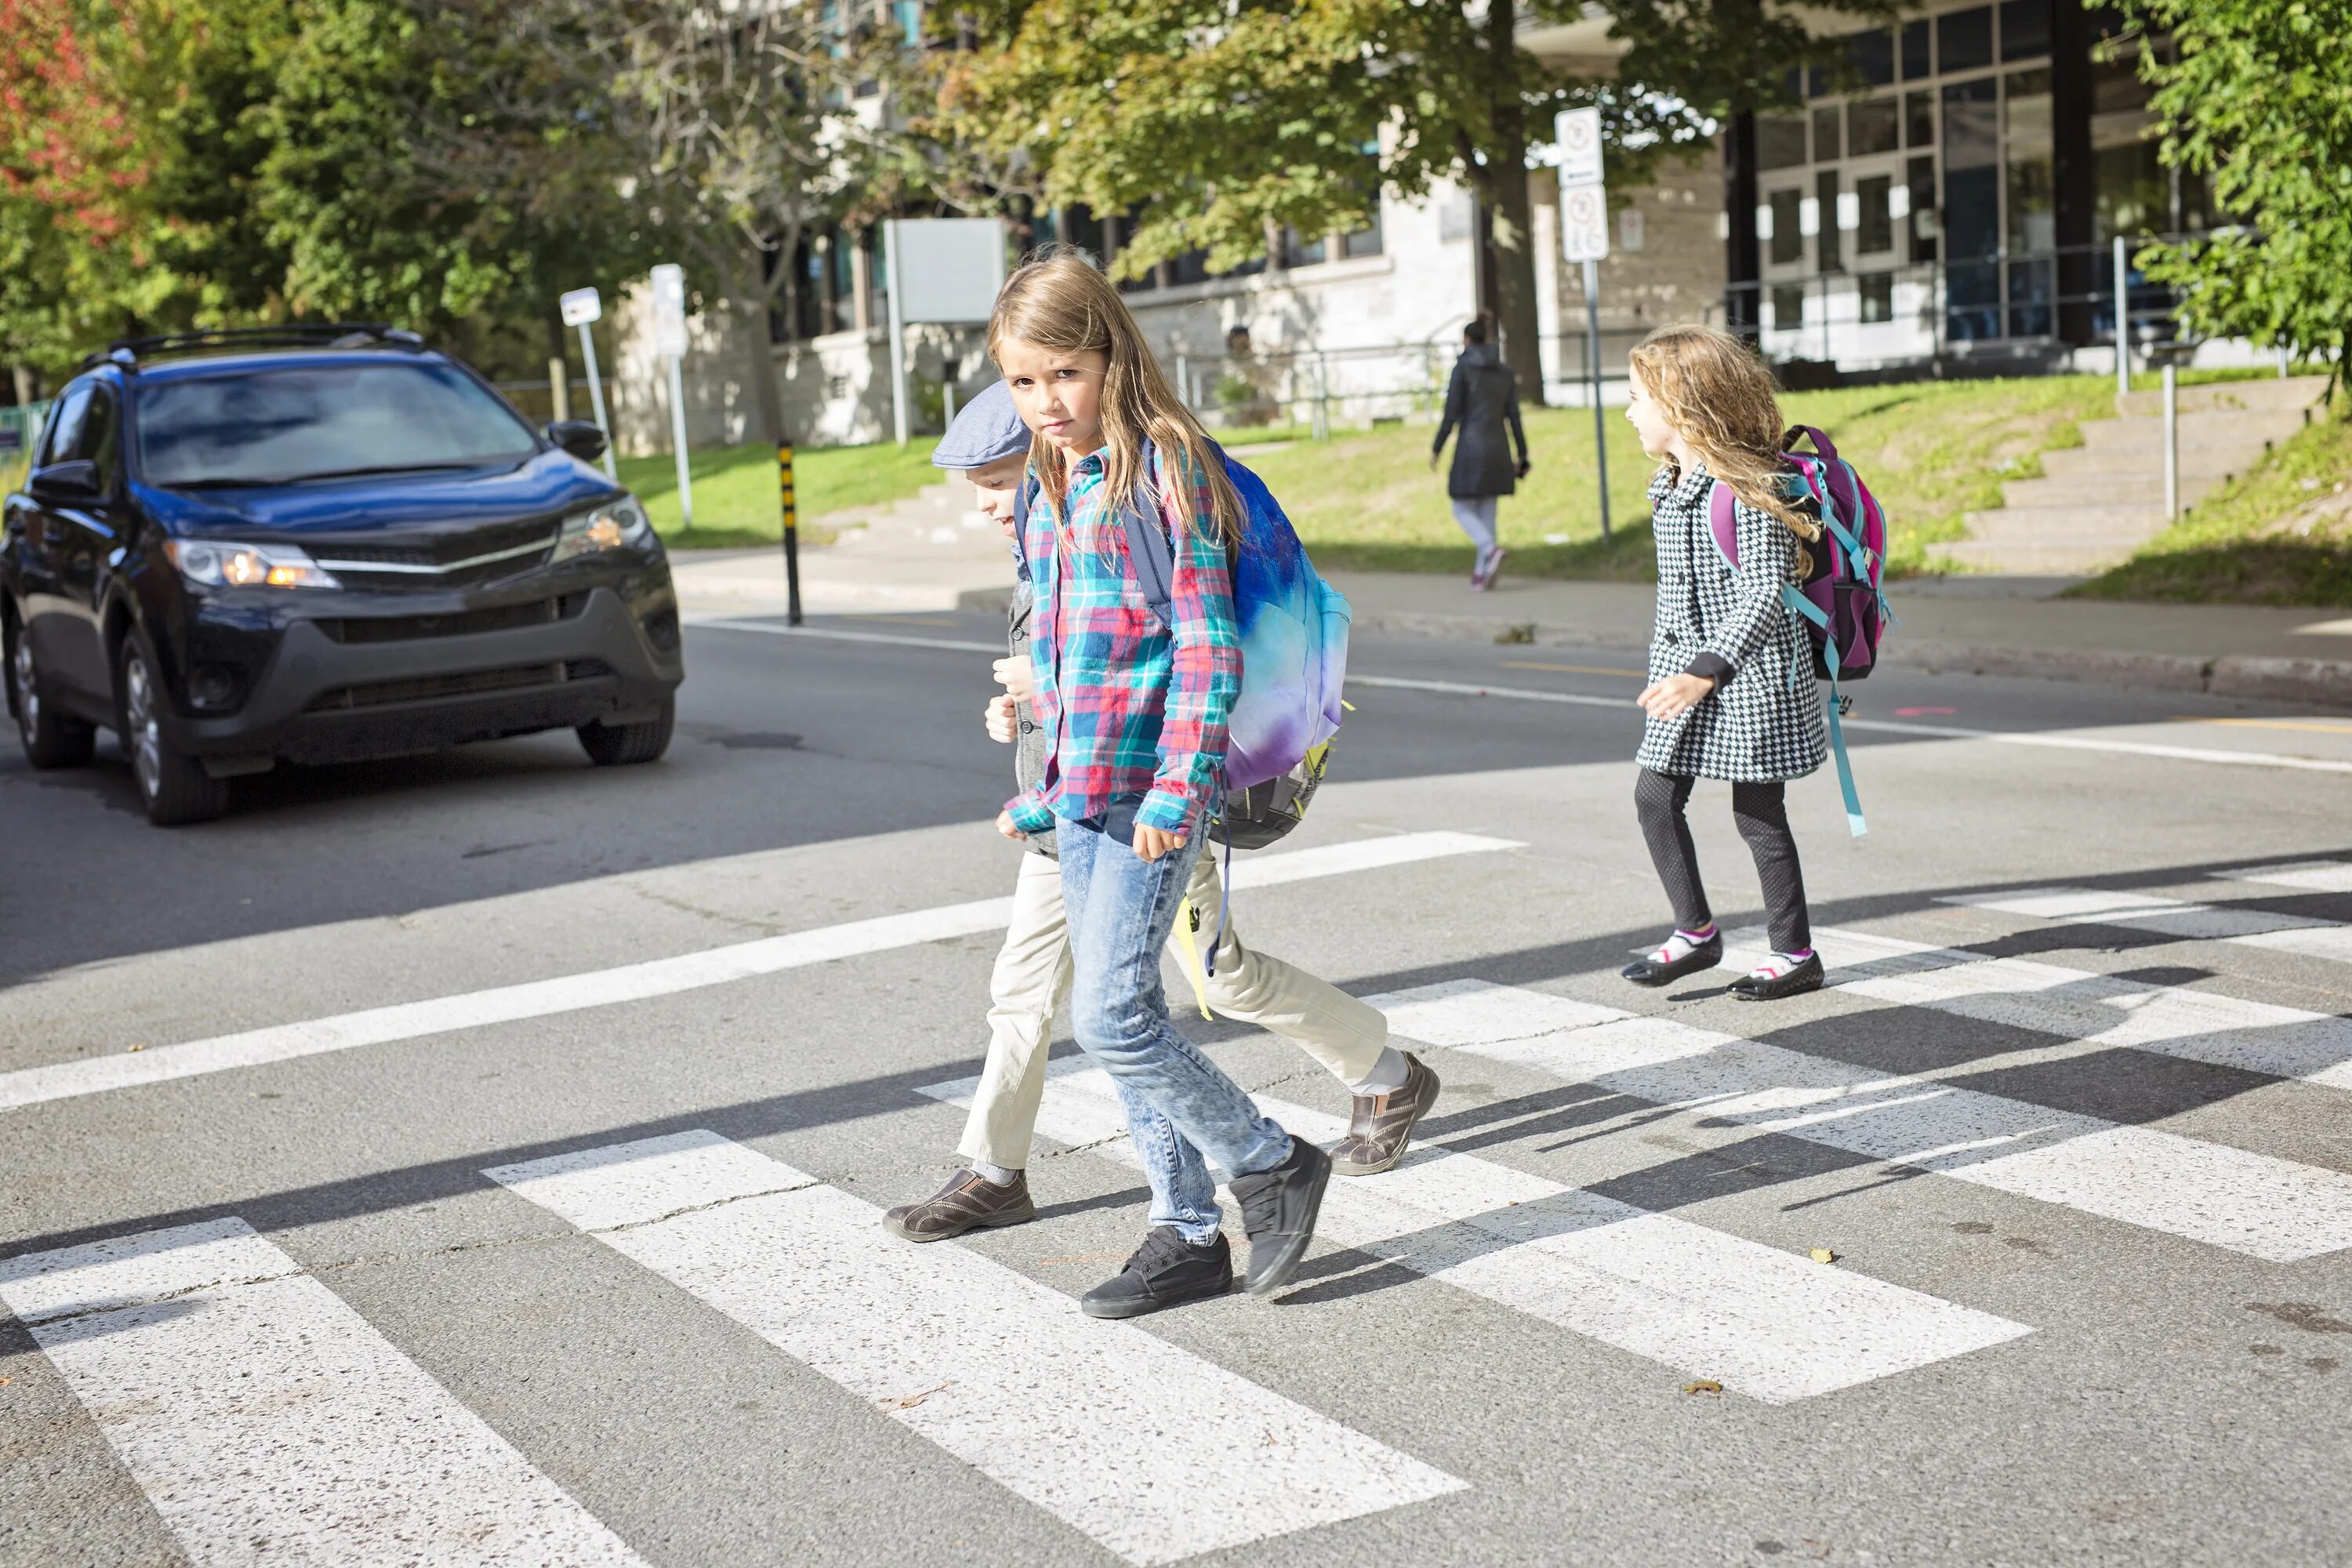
(1964, 39)
(1872, 57)
(2032, 204)
(1825, 199)
(1825, 135)
(1874, 125)
(1779, 143)
(1874, 203)
(1972, 206)
(1917, 59)
(1920, 175)
(2024, 29)
(322, 421)
(1920, 118)
(1364, 241)
(1786, 210)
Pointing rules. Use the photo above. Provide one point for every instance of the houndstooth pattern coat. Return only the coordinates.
(1757, 725)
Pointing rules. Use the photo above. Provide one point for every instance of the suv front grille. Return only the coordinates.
(474, 683)
(461, 622)
(450, 561)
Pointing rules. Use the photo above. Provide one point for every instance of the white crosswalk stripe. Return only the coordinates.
(1148, 1449)
(2179, 918)
(1755, 1319)
(2234, 1198)
(2079, 1004)
(268, 1423)
(2308, 876)
(655, 977)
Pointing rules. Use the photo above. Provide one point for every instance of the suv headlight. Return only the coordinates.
(613, 525)
(246, 565)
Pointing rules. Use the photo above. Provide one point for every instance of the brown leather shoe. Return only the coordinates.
(1379, 1124)
(969, 1202)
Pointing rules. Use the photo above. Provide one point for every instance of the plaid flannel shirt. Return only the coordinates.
(1126, 706)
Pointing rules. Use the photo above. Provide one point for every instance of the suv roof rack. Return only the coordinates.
(129, 352)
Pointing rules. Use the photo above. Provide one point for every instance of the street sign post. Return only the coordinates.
(945, 270)
(1584, 238)
(670, 342)
(582, 308)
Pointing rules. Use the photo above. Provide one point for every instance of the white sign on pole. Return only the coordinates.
(580, 307)
(1577, 130)
(944, 269)
(1584, 223)
(670, 310)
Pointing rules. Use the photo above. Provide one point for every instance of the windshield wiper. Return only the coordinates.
(379, 469)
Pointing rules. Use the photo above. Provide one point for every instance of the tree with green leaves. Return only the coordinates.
(1213, 121)
(2256, 96)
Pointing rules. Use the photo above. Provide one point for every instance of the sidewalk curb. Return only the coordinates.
(2319, 681)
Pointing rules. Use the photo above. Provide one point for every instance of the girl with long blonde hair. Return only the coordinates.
(1731, 693)
(1134, 714)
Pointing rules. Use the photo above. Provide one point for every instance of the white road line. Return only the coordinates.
(1893, 727)
(655, 977)
(1146, 1448)
(2231, 1198)
(2080, 1004)
(1772, 1325)
(2237, 923)
(2310, 876)
(830, 634)
(268, 1423)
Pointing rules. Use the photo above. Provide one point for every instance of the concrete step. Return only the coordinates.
(2133, 488)
(2073, 558)
(2215, 462)
(2061, 525)
(2234, 427)
(2293, 393)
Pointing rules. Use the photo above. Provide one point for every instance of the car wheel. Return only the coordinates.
(174, 787)
(619, 745)
(51, 740)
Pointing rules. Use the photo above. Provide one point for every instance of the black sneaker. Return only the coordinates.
(1647, 970)
(1165, 1271)
(1278, 1210)
(1806, 976)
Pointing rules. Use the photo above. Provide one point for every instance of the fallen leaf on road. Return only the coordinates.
(908, 1401)
(1703, 1385)
(138, 1047)
(1823, 1255)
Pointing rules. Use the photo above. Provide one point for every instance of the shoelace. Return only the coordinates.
(1162, 1246)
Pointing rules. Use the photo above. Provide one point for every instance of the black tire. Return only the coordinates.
(625, 745)
(174, 787)
(51, 740)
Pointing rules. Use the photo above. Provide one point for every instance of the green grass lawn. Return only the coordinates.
(1931, 451)
(2280, 534)
(735, 492)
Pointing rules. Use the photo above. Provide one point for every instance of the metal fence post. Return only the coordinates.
(1183, 380)
(1592, 353)
(2171, 443)
(792, 536)
(2123, 317)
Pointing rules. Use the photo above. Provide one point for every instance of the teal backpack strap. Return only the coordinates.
(1813, 613)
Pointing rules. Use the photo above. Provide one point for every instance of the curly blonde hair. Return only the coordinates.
(1719, 397)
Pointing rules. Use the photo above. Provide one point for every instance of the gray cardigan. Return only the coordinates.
(1029, 746)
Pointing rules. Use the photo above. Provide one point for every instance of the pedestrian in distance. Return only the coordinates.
(1391, 1090)
(1135, 717)
(1731, 692)
(1481, 401)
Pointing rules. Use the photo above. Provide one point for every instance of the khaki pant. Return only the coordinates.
(1033, 976)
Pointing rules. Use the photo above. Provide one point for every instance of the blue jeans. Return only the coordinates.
(1181, 1109)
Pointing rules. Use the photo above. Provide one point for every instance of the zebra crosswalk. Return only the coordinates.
(267, 1418)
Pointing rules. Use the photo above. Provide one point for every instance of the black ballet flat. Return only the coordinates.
(1806, 976)
(1705, 955)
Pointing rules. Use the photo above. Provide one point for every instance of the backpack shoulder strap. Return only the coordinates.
(1723, 522)
(1023, 500)
(1148, 544)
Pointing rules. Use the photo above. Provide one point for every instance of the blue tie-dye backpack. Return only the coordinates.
(1294, 638)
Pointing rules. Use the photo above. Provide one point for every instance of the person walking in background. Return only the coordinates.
(1731, 692)
(1480, 401)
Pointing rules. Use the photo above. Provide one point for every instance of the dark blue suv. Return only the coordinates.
(320, 545)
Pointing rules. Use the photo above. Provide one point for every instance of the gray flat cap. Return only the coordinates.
(985, 429)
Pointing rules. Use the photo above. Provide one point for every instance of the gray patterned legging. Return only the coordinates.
(1763, 819)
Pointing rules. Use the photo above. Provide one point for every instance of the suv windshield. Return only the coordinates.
(294, 422)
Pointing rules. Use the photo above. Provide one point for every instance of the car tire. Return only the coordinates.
(624, 745)
(51, 740)
(173, 786)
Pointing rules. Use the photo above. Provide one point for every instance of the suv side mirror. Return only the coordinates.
(67, 482)
(579, 437)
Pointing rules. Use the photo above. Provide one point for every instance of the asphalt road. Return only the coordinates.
(2070, 1123)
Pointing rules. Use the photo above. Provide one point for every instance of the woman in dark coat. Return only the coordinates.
(1481, 399)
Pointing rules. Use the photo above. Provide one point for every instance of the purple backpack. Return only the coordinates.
(1841, 604)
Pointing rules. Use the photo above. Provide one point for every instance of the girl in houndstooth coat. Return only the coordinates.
(1731, 693)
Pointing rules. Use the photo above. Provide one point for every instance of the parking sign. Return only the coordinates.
(580, 307)
(1577, 130)
(1584, 223)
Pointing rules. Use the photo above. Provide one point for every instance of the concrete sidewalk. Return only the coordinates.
(929, 557)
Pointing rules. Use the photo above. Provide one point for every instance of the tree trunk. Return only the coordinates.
(1514, 221)
(26, 385)
(749, 301)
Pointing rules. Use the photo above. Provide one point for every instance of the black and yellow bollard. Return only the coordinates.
(792, 536)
